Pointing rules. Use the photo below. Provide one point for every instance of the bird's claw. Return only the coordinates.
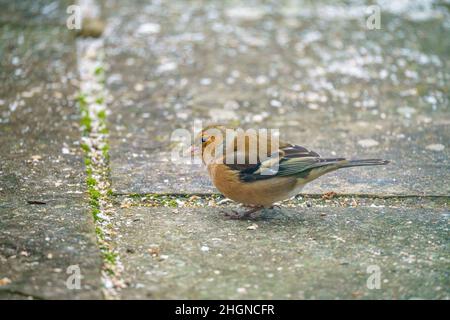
(233, 214)
(236, 215)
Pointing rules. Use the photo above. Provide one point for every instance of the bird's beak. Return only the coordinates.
(192, 151)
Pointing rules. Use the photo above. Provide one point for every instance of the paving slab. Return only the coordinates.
(314, 71)
(295, 253)
(32, 12)
(42, 245)
(46, 223)
(40, 142)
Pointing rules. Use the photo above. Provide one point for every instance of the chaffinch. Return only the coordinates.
(257, 171)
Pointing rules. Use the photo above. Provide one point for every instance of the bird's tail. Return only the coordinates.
(363, 162)
(331, 164)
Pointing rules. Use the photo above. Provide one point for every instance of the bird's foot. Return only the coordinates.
(233, 214)
(249, 214)
(251, 206)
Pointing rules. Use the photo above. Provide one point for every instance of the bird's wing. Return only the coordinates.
(295, 151)
(287, 161)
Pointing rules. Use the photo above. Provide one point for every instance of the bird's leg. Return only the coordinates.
(251, 206)
(253, 213)
(246, 214)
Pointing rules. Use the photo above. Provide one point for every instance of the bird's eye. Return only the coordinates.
(204, 139)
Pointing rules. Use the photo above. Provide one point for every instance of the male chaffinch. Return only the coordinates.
(262, 173)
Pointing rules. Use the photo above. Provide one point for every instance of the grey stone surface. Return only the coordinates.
(34, 12)
(313, 70)
(38, 243)
(45, 220)
(309, 253)
(39, 146)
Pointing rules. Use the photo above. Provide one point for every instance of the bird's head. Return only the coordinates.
(207, 142)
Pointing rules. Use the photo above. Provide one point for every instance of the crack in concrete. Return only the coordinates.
(304, 200)
(309, 195)
(93, 105)
(22, 293)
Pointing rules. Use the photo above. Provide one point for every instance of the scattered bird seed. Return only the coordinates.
(435, 147)
(4, 281)
(368, 143)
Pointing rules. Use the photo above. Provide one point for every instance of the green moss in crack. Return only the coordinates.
(94, 126)
(99, 233)
(99, 71)
(91, 182)
(95, 197)
(86, 121)
(102, 115)
(95, 213)
(170, 203)
(82, 100)
(105, 152)
(86, 149)
(111, 257)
